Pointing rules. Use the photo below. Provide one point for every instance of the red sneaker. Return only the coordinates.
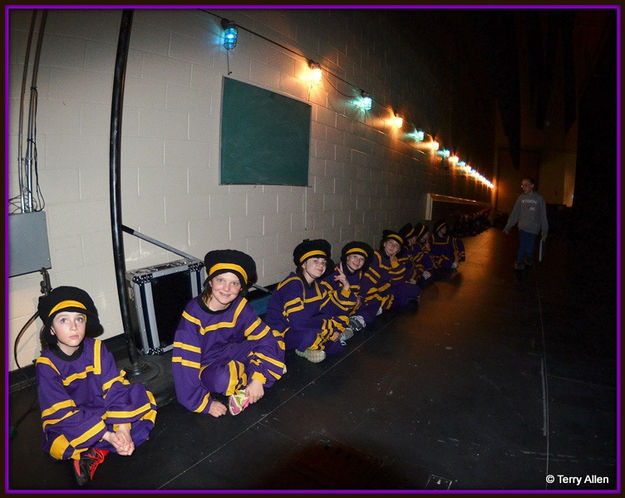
(87, 465)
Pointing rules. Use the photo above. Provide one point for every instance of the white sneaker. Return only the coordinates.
(312, 355)
(347, 334)
(357, 323)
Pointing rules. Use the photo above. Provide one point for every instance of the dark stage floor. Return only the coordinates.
(490, 383)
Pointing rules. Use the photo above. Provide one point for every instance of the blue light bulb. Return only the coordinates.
(230, 37)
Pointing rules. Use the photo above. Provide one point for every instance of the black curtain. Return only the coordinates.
(595, 202)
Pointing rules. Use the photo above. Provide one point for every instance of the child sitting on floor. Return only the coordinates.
(409, 235)
(355, 258)
(425, 269)
(312, 317)
(88, 408)
(387, 279)
(221, 345)
(446, 251)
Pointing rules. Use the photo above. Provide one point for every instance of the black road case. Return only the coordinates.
(159, 294)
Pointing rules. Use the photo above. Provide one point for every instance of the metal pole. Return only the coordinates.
(115, 184)
(158, 243)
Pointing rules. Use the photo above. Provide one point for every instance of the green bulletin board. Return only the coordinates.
(265, 137)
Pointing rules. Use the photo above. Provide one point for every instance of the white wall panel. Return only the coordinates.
(362, 178)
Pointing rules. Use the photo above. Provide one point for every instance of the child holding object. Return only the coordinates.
(88, 408)
(221, 345)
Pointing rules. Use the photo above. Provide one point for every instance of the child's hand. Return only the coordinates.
(341, 276)
(217, 409)
(119, 442)
(358, 302)
(254, 391)
(128, 445)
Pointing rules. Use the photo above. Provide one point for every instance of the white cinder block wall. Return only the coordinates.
(363, 177)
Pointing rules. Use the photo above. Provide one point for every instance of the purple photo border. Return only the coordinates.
(6, 248)
(618, 247)
(617, 8)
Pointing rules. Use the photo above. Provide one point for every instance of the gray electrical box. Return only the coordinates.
(28, 243)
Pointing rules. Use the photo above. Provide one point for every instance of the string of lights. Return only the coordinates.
(363, 100)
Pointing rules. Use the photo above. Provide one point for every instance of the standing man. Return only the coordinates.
(530, 214)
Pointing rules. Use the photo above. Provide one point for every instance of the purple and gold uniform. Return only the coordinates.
(424, 268)
(410, 250)
(423, 263)
(410, 255)
(354, 278)
(445, 250)
(309, 315)
(221, 351)
(84, 395)
(387, 280)
(377, 285)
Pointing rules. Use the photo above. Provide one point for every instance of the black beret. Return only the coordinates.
(439, 224)
(357, 247)
(407, 231)
(230, 260)
(67, 298)
(420, 230)
(317, 248)
(390, 234)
